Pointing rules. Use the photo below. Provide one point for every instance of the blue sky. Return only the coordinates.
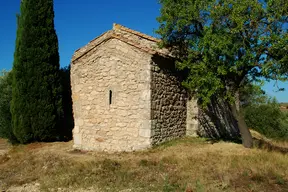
(78, 22)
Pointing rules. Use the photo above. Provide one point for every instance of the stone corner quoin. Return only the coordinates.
(127, 95)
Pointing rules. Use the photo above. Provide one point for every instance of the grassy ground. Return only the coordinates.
(184, 165)
(4, 146)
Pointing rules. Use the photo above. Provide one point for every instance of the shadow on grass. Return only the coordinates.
(259, 143)
(266, 145)
(183, 140)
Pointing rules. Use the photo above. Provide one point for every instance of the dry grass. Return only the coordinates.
(182, 165)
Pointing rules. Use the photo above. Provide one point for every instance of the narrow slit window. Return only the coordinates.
(110, 97)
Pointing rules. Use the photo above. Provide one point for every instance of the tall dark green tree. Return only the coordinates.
(36, 105)
(222, 43)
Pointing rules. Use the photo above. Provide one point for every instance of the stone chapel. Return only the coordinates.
(127, 94)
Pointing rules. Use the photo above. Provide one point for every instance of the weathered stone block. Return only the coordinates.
(77, 139)
(145, 133)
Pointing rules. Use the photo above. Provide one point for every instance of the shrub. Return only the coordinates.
(267, 119)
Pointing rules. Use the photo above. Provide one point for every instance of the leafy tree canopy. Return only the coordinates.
(222, 42)
(225, 43)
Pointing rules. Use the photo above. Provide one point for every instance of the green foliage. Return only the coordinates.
(36, 88)
(222, 43)
(251, 93)
(267, 119)
(5, 99)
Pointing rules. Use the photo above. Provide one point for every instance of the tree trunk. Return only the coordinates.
(246, 136)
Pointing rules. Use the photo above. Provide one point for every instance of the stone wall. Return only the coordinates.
(140, 39)
(168, 102)
(123, 125)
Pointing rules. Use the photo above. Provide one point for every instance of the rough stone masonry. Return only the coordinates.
(127, 94)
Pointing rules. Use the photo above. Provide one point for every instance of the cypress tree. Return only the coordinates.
(36, 105)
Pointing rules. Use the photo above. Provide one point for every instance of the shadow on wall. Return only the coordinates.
(217, 122)
(167, 66)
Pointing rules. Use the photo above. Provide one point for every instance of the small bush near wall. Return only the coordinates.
(5, 100)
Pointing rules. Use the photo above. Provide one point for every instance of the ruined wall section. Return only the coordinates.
(168, 103)
(123, 125)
